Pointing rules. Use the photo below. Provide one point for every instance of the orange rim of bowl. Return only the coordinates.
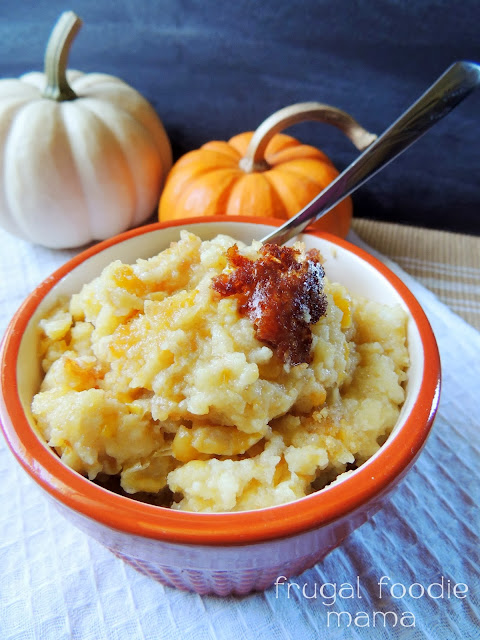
(367, 483)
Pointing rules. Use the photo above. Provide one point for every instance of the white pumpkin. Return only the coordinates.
(82, 156)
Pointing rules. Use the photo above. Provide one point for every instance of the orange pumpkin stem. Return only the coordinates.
(56, 57)
(254, 158)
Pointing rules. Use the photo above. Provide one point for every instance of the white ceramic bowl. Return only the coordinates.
(224, 552)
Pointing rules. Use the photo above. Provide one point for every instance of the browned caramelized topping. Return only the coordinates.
(281, 295)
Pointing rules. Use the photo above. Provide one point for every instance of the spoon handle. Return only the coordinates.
(455, 84)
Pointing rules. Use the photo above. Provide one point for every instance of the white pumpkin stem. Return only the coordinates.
(254, 158)
(56, 57)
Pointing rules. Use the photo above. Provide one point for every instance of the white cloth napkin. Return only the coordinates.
(56, 583)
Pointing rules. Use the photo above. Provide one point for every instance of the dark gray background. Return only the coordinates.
(214, 68)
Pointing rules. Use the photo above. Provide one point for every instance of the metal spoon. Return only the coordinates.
(450, 89)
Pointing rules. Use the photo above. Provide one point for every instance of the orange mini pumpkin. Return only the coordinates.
(263, 173)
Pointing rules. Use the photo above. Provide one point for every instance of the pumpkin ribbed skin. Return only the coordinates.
(209, 181)
(78, 170)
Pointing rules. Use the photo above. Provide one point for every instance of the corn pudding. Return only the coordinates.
(185, 379)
